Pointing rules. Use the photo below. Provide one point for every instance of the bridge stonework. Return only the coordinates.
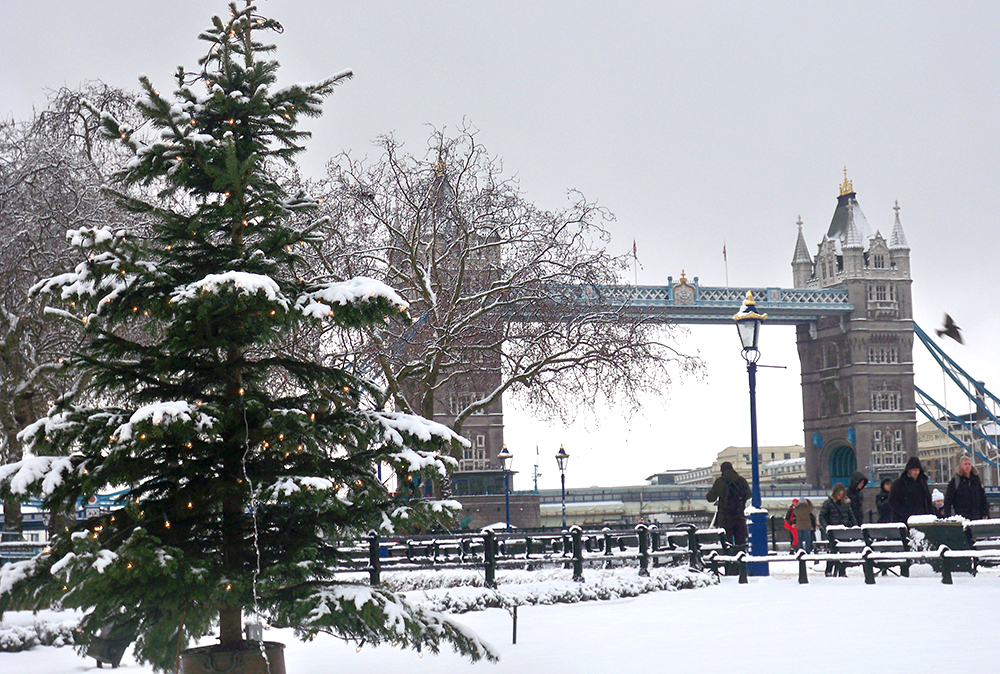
(858, 405)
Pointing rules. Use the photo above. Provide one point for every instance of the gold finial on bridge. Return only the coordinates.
(848, 186)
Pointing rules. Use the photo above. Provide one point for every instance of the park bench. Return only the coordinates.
(109, 645)
(984, 535)
(932, 534)
(845, 545)
(886, 539)
(712, 549)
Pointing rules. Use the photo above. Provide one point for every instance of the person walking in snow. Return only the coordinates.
(909, 494)
(855, 486)
(965, 495)
(790, 523)
(731, 491)
(805, 522)
(882, 501)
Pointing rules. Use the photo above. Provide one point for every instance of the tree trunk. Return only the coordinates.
(230, 625)
(230, 614)
(12, 519)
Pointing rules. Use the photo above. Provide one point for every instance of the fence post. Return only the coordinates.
(490, 558)
(654, 542)
(577, 533)
(643, 531)
(695, 560)
(945, 565)
(374, 562)
(774, 535)
(607, 541)
(803, 573)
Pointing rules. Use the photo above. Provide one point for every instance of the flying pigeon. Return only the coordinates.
(950, 330)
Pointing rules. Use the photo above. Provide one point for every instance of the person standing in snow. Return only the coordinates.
(805, 522)
(790, 523)
(965, 495)
(731, 491)
(882, 501)
(854, 493)
(836, 510)
(910, 494)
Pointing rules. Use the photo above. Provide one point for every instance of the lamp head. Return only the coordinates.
(505, 457)
(748, 325)
(562, 458)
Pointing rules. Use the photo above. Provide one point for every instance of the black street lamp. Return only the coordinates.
(748, 323)
(505, 460)
(562, 458)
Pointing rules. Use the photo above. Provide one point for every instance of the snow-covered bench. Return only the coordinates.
(984, 535)
(890, 537)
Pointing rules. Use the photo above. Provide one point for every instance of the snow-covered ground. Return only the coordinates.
(900, 625)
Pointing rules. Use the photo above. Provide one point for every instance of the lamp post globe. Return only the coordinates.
(562, 458)
(748, 323)
(506, 458)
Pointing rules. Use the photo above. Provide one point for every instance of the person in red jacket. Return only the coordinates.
(790, 524)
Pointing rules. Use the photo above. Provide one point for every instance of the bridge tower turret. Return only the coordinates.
(858, 405)
(802, 264)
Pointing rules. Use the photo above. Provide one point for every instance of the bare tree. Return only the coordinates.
(499, 289)
(51, 172)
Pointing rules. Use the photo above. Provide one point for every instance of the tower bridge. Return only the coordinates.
(852, 308)
(688, 302)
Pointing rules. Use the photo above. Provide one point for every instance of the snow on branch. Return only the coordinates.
(395, 425)
(88, 237)
(375, 616)
(55, 421)
(13, 573)
(317, 302)
(23, 475)
(82, 282)
(287, 486)
(242, 282)
(165, 413)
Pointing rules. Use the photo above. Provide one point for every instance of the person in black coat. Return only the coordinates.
(732, 492)
(965, 495)
(882, 501)
(854, 492)
(910, 494)
(836, 510)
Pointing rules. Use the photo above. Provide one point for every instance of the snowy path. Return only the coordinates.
(912, 625)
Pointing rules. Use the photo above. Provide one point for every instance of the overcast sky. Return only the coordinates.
(695, 123)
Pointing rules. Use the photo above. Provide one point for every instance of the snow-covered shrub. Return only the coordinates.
(14, 638)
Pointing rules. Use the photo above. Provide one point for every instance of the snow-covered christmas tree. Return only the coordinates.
(243, 463)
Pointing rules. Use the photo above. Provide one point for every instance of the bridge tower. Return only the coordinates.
(858, 405)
